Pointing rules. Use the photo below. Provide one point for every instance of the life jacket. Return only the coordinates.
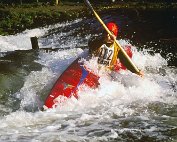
(114, 55)
(95, 47)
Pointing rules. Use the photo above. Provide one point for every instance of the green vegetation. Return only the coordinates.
(16, 18)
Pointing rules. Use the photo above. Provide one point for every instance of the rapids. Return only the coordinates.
(124, 107)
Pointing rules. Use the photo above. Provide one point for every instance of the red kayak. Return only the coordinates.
(74, 76)
(68, 83)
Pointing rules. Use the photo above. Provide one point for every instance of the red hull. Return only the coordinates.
(68, 83)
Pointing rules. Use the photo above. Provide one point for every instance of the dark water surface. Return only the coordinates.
(149, 114)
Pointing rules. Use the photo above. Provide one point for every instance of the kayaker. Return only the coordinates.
(107, 51)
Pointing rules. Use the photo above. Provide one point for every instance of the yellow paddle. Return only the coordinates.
(105, 27)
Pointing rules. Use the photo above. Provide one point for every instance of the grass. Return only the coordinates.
(17, 18)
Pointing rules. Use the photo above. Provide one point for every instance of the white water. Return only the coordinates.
(94, 116)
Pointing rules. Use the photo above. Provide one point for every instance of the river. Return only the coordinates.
(126, 108)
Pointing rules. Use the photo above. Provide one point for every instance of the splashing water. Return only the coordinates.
(124, 107)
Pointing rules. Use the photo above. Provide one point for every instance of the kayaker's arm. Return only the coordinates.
(95, 43)
(128, 65)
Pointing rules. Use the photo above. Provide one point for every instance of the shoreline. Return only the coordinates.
(16, 19)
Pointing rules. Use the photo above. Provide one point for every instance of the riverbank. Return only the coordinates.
(15, 19)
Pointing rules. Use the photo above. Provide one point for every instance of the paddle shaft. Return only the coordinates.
(108, 31)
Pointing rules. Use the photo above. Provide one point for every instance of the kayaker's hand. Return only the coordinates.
(109, 38)
(112, 37)
(140, 73)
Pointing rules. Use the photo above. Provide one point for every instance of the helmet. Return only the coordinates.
(112, 27)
